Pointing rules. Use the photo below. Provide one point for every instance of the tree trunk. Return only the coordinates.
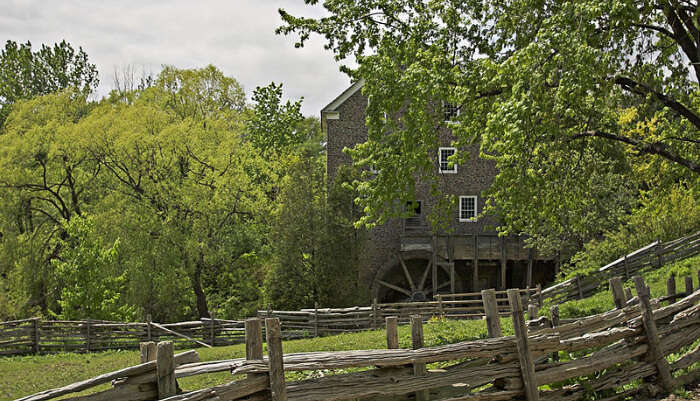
(202, 308)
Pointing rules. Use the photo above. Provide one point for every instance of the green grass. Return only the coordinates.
(655, 279)
(21, 376)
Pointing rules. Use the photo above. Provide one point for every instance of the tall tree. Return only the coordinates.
(550, 88)
(25, 73)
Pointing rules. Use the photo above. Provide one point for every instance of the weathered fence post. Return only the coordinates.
(165, 370)
(527, 366)
(315, 319)
(578, 286)
(493, 322)
(628, 294)
(659, 254)
(617, 292)
(148, 351)
(555, 322)
(670, 287)
(653, 335)
(539, 295)
(532, 312)
(441, 311)
(254, 344)
(212, 328)
(36, 340)
(688, 285)
(417, 343)
(273, 333)
(374, 313)
(392, 332)
(148, 327)
(87, 335)
(627, 268)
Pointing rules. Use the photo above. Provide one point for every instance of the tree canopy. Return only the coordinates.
(25, 73)
(580, 103)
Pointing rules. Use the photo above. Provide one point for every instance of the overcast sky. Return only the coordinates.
(237, 36)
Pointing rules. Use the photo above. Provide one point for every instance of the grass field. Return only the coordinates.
(20, 376)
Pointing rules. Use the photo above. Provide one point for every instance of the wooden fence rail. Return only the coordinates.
(321, 321)
(646, 258)
(48, 336)
(625, 345)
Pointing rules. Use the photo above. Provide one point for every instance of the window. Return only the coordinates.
(445, 165)
(467, 208)
(450, 111)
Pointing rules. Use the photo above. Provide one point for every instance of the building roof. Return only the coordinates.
(333, 106)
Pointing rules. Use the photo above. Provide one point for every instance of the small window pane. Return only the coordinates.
(467, 208)
(451, 111)
(445, 154)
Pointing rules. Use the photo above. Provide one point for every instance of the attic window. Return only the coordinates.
(445, 166)
(451, 111)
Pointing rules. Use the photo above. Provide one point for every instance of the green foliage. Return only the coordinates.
(314, 242)
(579, 103)
(91, 283)
(25, 73)
(664, 214)
(274, 127)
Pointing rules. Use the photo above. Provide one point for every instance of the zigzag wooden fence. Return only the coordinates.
(646, 258)
(321, 321)
(48, 336)
(625, 346)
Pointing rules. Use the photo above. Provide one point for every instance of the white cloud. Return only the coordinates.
(237, 36)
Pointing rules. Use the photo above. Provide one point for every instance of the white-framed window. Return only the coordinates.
(444, 155)
(467, 208)
(450, 111)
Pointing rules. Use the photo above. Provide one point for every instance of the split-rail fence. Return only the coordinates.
(643, 259)
(628, 347)
(321, 321)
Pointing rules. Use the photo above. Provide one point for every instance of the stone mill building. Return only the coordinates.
(403, 259)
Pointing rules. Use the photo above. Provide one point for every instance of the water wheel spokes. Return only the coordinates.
(394, 287)
(425, 275)
(407, 274)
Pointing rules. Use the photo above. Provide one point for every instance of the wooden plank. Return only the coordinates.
(180, 335)
(652, 334)
(165, 370)
(617, 292)
(493, 322)
(148, 351)
(278, 389)
(554, 312)
(527, 366)
(392, 332)
(417, 343)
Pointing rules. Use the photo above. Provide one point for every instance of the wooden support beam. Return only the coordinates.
(273, 332)
(530, 261)
(392, 332)
(417, 343)
(435, 265)
(617, 292)
(475, 265)
(527, 366)
(628, 294)
(688, 285)
(532, 311)
(165, 370)
(671, 287)
(493, 322)
(502, 246)
(655, 351)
